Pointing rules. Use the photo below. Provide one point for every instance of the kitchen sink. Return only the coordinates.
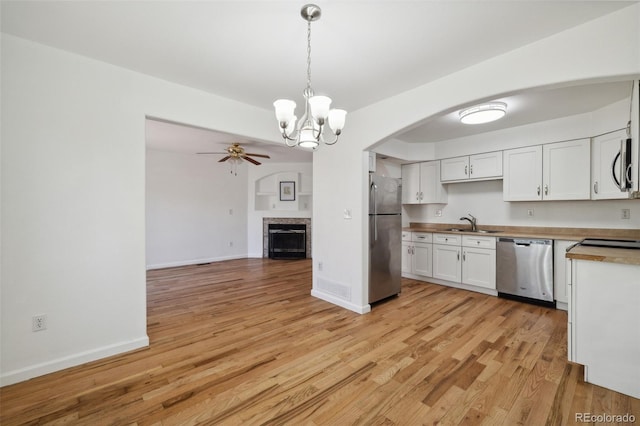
(479, 231)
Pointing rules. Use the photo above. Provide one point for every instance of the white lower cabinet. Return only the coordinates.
(603, 324)
(479, 267)
(468, 260)
(422, 259)
(417, 254)
(465, 261)
(560, 271)
(407, 257)
(446, 262)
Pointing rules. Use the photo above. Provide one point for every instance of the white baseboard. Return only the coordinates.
(487, 291)
(194, 261)
(36, 370)
(340, 302)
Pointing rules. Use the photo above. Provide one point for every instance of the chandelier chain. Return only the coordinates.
(309, 54)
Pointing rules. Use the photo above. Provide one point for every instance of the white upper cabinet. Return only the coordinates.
(566, 170)
(605, 165)
(485, 166)
(472, 167)
(411, 183)
(421, 184)
(556, 171)
(523, 174)
(453, 169)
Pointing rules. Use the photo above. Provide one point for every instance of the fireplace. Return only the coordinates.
(292, 240)
(287, 241)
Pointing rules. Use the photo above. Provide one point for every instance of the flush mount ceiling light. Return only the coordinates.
(483, 113)
(309, 131)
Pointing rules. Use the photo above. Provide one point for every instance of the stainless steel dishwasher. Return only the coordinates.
(524, 269)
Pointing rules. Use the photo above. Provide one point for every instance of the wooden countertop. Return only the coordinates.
(605, 254)
(569, 234)
(598, 254)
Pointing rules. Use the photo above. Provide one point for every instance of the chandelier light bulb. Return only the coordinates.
(320, 107)
(284, 110)
(336, 119)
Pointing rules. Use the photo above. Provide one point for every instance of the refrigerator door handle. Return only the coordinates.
(374, 193)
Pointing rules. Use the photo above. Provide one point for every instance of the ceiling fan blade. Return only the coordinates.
(251, 160)
(206, 153)
(224, 159)
(257, 155)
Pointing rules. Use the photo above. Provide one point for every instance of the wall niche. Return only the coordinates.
(268, 197)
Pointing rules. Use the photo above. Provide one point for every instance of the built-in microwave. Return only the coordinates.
(621, 166)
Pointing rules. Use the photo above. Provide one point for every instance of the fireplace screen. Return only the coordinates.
(287, 241)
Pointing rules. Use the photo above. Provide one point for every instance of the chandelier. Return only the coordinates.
(310, 129)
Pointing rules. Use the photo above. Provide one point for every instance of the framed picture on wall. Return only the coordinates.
(287, 191)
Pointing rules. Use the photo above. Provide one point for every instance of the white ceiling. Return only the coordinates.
(164, 136)
(362, 52)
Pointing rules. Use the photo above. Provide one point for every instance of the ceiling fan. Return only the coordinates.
(236, 152)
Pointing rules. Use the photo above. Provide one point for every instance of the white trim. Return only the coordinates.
(194, 261)
(340, 302)
(36, 370)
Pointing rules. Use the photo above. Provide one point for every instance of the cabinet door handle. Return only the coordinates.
(595, 187)
(471, 169)
(458, 255)
(464, 256)
(417, 196)
(546, 190)
(421, 196)
(538, 189)
(465, 170)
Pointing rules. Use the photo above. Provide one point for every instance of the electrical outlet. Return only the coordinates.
(230, 243)
(626, 213)
(320, 266)
(529, 212)
(439, 213)
(230, 212)
(39, 323)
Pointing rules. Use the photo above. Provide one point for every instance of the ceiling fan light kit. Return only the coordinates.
(483, 113)
(235, 155)
(309, 131)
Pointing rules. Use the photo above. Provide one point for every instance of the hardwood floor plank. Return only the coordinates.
(242, 342)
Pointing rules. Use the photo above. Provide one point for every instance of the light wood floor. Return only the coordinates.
(243, 342)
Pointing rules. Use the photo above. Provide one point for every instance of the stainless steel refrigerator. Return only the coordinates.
(385, 236)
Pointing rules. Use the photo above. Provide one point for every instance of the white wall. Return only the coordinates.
(196, 210)
(484, 200)
(298, 210)
(608, 47)
(73, 200)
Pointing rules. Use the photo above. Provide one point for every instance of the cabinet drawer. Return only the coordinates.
(478, 241)
(406, 236)
(422, 237)
(448, 239)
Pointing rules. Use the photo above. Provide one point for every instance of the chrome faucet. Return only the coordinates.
(471, 220)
